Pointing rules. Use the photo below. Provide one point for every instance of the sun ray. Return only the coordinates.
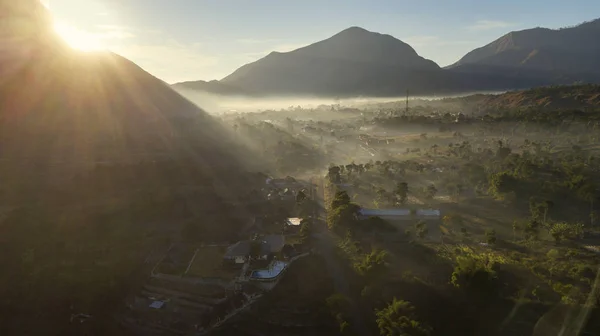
(79, 39)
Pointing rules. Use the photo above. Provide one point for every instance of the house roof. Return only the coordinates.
(275, 242)
(157, 304)
(294, 221)
(385, 212)
(428, 212)
(242, 249)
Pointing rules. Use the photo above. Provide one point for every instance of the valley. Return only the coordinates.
(348, 186)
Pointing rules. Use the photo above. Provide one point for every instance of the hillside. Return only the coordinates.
(74, 109)
(572, 51)
(543, 99)
(213, 86)
(559, 97)
(102, 165)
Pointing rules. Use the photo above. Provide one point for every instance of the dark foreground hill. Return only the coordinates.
(101, 167)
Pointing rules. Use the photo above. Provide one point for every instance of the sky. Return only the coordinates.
(181, 40)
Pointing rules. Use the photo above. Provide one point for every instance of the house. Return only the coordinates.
(292, 225)
(239, 252)
(399, 214)
(428, 213)
(275, 242)
(392, 214)
(293, 221)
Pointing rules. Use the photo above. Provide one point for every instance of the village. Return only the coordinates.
(194, 288)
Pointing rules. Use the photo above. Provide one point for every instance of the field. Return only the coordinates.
(208, 264)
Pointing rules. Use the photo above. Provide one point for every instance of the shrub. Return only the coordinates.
(398, 318)
(553, 254)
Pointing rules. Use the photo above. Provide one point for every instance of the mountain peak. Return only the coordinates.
(335, 64)
(355, 30)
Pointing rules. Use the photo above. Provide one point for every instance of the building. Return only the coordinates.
(275, 242)
(292, 225)
(392, 214)
(428, 213)
(293, 221)
(239, 252)
(399, 214)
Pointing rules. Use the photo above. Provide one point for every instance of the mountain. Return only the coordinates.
(102, 166)
(354, 61)
(358, 62)
(213, 86)
(573, 51)
(61, 105)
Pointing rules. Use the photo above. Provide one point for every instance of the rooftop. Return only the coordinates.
(385, 212)
(293, 221)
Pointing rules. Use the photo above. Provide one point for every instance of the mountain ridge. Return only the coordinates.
(357, 62)
(568, 50)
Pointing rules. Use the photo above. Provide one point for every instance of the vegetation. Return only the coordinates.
(398, 319)
(91, 207)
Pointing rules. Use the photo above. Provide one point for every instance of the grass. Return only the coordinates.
(209, 264)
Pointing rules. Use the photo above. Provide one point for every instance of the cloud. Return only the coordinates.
(490, 24)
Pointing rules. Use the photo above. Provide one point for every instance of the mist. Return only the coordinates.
(223, 104)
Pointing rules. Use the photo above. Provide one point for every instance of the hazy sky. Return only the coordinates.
(179, 40)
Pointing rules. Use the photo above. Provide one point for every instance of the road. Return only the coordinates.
(326, 245)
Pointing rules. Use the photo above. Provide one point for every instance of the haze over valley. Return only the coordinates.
(342, 186)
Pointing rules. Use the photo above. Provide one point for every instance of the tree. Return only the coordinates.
(338, 305)
(490, 236)
(532, 229)
(401, 192)
(306, 231)
(473, 272)
(455, 189)
(564, 231)
(382, 196)
(539, 210)
(373, 266)
(430, 192)
(435, 147)
(341, 198)
(343, 216)
(334, 174)
(300, 196)
(502, 182)
(399, 319)
(421, 229)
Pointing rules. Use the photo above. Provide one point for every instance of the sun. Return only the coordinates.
(79, 39)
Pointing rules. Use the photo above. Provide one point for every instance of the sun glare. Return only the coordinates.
(79, 39)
